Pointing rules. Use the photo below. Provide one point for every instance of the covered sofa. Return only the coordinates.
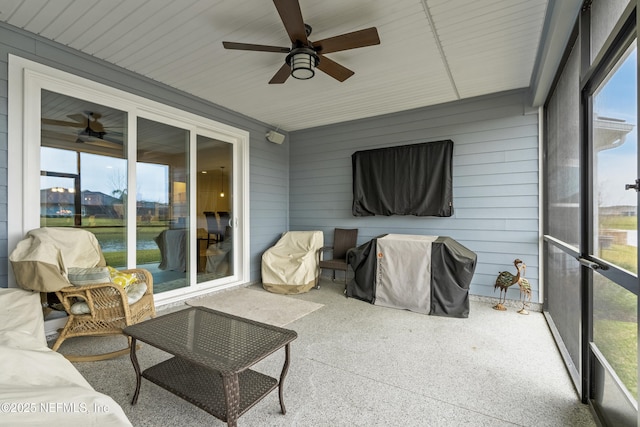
(291, 265)
(38, 386)
(424, 274)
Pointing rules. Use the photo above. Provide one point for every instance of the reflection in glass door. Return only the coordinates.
(162, 204)
(83, 170)
(614, 280)
(214, 209)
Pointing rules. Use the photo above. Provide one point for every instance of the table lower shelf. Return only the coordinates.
(203, 387)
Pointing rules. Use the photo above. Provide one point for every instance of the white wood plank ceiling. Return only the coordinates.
(431, 51)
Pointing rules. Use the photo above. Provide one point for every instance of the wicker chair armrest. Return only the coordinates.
(68, 295)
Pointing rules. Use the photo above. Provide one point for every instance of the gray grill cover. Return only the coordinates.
(451, 269)
(403, 276)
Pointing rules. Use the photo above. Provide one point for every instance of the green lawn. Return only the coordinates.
(108, 230)
(146, 256)
(619, 222)
(615, 326)
(618, 343)
(623, 256)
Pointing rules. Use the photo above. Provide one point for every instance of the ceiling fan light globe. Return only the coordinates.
(303, 63)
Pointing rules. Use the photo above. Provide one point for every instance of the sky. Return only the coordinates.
(104, 174)
(618, 166)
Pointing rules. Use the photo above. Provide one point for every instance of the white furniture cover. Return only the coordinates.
(219, 259)
(38, 386)
(291, 265)
(41, 260)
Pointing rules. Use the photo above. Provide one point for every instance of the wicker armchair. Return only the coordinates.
(110, 312)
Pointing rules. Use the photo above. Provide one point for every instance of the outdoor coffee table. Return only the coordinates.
(213, 352)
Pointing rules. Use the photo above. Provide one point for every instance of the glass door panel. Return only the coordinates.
(615, 152)
(214, 209)
(162, 204)
(614, 230)
(83, 170)
(615, 329)
(88, 179)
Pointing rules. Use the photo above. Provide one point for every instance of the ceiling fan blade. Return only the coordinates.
(48, 135)
(281, 75)
(291, 16)
(255, 47)
(96, 126)
(353, 40)
(62, 123)
(334, 69)
(81, 118)
(80, 144)
(90, 120)
(104, 143)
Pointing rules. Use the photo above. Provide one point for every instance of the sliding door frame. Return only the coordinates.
(26, 81)
(593, 72)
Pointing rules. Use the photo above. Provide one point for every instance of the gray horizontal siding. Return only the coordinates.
(495, 180)
(269, 163)
(495, 166)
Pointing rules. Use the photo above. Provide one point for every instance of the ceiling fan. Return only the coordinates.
(81, 121)
(304, 56)
(93, 131)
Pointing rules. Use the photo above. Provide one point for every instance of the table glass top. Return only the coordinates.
(212, 338)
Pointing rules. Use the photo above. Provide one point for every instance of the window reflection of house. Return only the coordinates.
(619, 210)
(608, 133)
(60, 202)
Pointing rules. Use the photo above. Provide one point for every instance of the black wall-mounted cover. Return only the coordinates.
(411, 179)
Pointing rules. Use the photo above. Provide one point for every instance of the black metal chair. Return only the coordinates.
(343, 240)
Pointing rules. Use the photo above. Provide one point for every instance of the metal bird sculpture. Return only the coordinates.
(525, 290)
(504, 281)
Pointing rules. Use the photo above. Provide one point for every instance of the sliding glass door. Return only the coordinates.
(612, 257)
(591, 189)
(159, 193)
